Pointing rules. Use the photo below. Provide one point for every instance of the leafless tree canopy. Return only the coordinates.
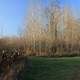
(52, 31)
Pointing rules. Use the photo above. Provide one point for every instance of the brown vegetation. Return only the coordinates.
(54, 32)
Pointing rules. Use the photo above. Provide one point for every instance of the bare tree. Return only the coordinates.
(53, 16)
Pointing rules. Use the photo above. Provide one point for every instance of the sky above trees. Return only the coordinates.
(13, 12)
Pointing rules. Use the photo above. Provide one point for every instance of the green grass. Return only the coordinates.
(42, 68)
(54, 69)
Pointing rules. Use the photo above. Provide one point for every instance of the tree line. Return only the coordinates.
(52, 31)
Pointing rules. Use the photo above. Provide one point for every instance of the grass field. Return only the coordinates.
(42, 68)
(53, 69)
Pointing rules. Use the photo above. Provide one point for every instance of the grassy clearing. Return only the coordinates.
(54, 69)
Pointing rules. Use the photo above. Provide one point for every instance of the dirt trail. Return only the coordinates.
(9, 75)
(13, 72)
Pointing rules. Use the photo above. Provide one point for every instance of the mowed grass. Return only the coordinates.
(42, 68)
(53, 69)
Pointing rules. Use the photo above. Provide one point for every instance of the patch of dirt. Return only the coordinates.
(12, 73)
